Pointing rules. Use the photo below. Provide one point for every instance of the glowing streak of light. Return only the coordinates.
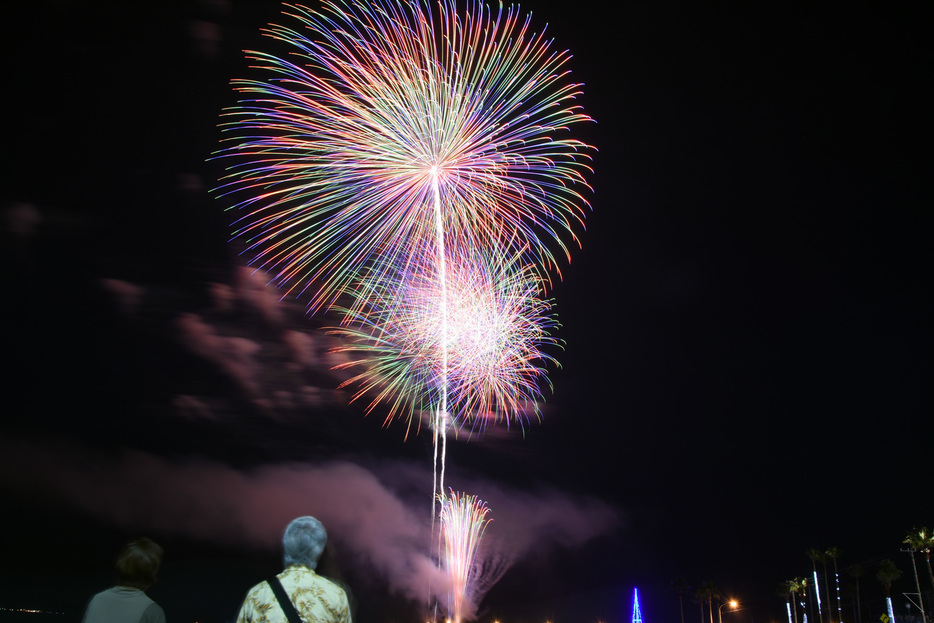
(464, 519)
(441, 414)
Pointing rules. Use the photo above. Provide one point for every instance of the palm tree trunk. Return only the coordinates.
(927, 556)
(680, 584)
(918, 585)
(836, 575)
(820, 611)
(827, 592)
(855, 572)
(859, 606)
(816, 555)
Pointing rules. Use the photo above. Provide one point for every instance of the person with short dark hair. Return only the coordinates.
(127, 602)
(314, 598)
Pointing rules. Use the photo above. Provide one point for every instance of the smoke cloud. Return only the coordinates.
(381, 524)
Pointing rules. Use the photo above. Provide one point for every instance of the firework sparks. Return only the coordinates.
(341, 152)
(464, 519)
(496, 328)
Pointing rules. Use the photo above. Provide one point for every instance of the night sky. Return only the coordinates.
(747, 366)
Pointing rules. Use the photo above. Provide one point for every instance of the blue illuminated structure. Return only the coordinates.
(636, 611)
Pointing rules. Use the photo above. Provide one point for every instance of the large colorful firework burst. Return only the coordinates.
(383, 111)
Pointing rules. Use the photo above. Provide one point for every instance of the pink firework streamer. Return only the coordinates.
(464, 519)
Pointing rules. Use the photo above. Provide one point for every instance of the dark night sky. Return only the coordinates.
(747, 324)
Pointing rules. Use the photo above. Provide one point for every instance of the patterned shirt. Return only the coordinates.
(317, 599)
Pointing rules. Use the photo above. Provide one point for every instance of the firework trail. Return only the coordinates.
(464, 519)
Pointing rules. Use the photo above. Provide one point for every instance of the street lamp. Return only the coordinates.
(733, 604)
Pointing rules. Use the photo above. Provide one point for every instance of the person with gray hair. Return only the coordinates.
(298, 593)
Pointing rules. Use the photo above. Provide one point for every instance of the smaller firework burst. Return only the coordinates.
(476, 347)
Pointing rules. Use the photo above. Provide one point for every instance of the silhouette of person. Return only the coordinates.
(315, 598)
(127, 602)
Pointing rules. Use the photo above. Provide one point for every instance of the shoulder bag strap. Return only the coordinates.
(284, 602)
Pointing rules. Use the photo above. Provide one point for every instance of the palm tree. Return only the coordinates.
(708, 591)
(802, 584)
(823, 562)
(817, 556)
(787, 589)
(680, 585)
(922, 540)
(833, 553)
(917, 542)
(792, 588)
(856, 572)
(886, 574)
(699, 600)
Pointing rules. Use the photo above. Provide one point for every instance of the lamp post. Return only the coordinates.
(733, 604)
